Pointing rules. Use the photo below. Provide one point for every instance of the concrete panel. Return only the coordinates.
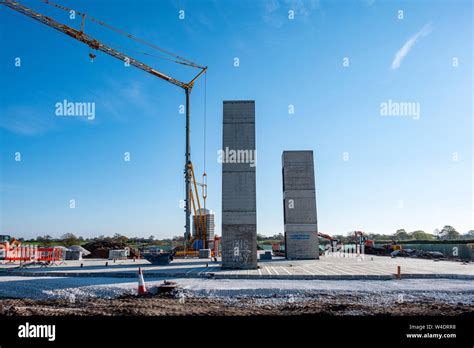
(238, 111)
(298, 193)
(239, 135)
(238, 157)
(301, 244)
(301, 227)
(295, 157)
(238, 188)
(235, 218)
(300, 210)
(238, 151)
(239, 246)
(302, 177)
(299, 202)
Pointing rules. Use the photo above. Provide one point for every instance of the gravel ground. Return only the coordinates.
(91, 287)
(113, 296)
(335, 304)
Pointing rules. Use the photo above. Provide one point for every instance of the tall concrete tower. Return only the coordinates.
(239, 208)
(299, 201)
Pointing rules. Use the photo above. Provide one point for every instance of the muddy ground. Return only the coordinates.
(160, 305)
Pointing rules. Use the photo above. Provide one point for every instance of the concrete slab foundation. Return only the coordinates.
(329, 267)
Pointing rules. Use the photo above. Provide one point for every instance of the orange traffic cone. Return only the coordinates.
(141, 283)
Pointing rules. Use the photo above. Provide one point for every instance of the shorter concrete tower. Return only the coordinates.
(299, 205)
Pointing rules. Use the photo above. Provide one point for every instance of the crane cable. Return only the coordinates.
(180, 60)
(204, 174)
(205, 118)
(147, 54)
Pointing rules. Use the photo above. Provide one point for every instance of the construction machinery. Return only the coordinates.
(158, 257)
(97, 45)
(198, 213)
(369, 245)
(362, 240)
(333, 242)
(189, 249)
(392, 246)
(276, 247)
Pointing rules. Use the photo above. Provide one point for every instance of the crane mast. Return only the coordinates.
(95, 44)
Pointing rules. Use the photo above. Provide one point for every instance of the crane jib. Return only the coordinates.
(96, 44)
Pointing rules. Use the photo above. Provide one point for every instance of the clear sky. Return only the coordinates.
(373, 172)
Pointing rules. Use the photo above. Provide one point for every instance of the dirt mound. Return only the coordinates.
(422, 254)
(100, 249)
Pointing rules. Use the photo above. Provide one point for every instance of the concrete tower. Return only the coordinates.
(299, 201)
(239, 209)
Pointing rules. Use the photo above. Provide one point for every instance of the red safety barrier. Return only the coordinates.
(50, 254)
(20, 253)
(34, 254)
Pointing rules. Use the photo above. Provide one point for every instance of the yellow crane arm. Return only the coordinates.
(96, 44)
(201, 219)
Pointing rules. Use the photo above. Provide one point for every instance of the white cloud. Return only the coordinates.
(402, 52)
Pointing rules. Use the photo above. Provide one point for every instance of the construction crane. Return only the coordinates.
(95, 44)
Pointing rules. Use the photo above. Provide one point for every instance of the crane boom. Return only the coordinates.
(95, 44)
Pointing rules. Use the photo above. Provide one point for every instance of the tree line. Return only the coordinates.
(446, 233)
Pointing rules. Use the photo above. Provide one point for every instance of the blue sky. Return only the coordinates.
(400, 172)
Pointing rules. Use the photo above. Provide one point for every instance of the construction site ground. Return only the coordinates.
(328, 267)
(336, 286)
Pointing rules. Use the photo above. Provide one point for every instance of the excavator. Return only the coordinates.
(333, 242)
